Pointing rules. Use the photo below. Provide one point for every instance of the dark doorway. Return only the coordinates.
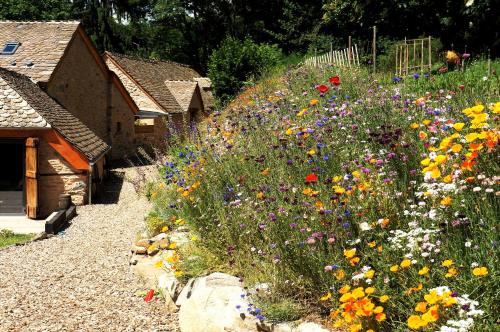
(12, 177)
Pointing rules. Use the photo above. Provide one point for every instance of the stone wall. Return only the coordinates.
(82, 88)
(122, 126)
(56, 177)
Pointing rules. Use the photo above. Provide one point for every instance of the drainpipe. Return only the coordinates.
(90, 183)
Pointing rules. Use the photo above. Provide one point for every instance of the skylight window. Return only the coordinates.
(10, 48)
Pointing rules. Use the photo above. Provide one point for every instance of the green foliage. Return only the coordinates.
(237, 61)
(8, 238)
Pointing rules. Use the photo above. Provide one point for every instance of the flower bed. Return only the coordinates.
(373, 203)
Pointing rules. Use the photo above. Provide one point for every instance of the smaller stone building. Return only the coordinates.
(171, 97)
(46, 151)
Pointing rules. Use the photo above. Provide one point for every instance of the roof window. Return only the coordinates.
(10, 48)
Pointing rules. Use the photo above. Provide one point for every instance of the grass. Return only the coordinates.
(8, 238)
(338, 199)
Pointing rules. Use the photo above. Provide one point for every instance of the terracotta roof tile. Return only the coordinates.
(42, 43)
(26, 105)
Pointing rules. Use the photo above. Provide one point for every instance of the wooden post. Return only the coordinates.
(349, 47)
(315, 58)
(407, 60)
(415, 55)
(401, 61)
(397, 47)
(422, 57)
(31, 174)
(357, 54)
(430, 55)
(374, 48)
(331, 52)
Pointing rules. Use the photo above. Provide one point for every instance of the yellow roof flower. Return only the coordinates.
(358, 293)
(423, 271)
(370, 290)
(369, 274)
(471, 137)
(311, 152)
(414, 125)
(326, 297)
(456, 148)
(289, 131)
(344, 289)
(446, 201)
(480, 271)
(421, 307)
(451, 272)
(380, 317)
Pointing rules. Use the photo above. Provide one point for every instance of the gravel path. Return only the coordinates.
(81, 281)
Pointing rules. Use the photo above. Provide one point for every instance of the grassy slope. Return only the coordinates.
(244, 193)
(7, 238)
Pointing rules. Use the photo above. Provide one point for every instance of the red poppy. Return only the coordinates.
(311, 178)
(149, 295)
(335, 80)
(461, 86)
(322, 88)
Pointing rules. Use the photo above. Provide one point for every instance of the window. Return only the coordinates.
(10, 48)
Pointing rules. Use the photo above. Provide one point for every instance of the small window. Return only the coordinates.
(10, 48)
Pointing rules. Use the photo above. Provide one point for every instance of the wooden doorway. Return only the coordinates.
(12, 179)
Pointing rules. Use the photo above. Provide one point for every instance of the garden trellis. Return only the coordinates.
(347, 57)
(413, 55)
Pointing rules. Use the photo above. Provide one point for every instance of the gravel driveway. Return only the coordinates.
(80, 280)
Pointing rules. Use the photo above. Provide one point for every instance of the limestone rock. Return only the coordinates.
(169, 285)
(295, 327)
(153, 249)
(180, 238)
(143, 243)
(138, 250)
(159, 237)
(163, 243)
(210, 303)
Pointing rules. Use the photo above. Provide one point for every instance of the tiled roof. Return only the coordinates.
(182, 91)
(152, 75)
(42, 44)
(28, 99)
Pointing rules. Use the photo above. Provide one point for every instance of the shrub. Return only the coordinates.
(236, 61)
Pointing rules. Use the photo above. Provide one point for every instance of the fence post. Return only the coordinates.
(349, 45)
(374, 48)
(430, 55)
(357, 54)
(422, 58)
(397, 48)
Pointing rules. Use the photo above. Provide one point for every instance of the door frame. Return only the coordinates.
(21, 142)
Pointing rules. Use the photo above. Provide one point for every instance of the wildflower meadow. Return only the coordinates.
(367, 201)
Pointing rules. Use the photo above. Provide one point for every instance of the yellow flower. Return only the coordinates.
(378, 310)
(326, 297)
(414, 125)
(369, 274)
(259, 195)
(372, 244)
(339, 274)
(458, 126)
(394, 268)
(314, 102)
(358, 293)
(446, 201)
(369, 290)
(421, 307)
(159, 264)
(172, 245)
(480, 271)
(415, 322)
(265, 172)
(405, 263)
(346, 297)
(353, 261)
(356, 327)
(380, 317)
(339, 190)
(471, 137)
(289, 131)
(440, 159)
(431, 315)
(349, 253)
(383, 298)
(448, 178)
(164, 229)
(451, 272)
(178, 273)
(426, 122)
(344, 289)
(423, 271)
(311, 152)
(447, 263)
(456, 148)
(432, 297)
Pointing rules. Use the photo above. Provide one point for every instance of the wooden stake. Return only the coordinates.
(414, 54)
(422, 58)
(357, 54)
(397, 47)
(349, 47)
(374, 48)
(430, 54)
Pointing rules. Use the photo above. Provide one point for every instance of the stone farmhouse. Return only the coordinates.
(64, 114)
(170, 96)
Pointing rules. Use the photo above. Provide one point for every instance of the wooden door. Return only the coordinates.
(32, 177)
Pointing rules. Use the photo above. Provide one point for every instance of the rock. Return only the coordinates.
(143, 243)
(159, 237)
(180, 238)
(169, 285)
(210, 303)
(170, 304)
(295, 327)
(163, 243)
(153, 249)
(138, 250)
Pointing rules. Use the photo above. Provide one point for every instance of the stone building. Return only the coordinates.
(169, 96)
(62, 60)
(47, 151)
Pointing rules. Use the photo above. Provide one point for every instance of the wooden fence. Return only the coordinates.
(413, 56)
(347, 57)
